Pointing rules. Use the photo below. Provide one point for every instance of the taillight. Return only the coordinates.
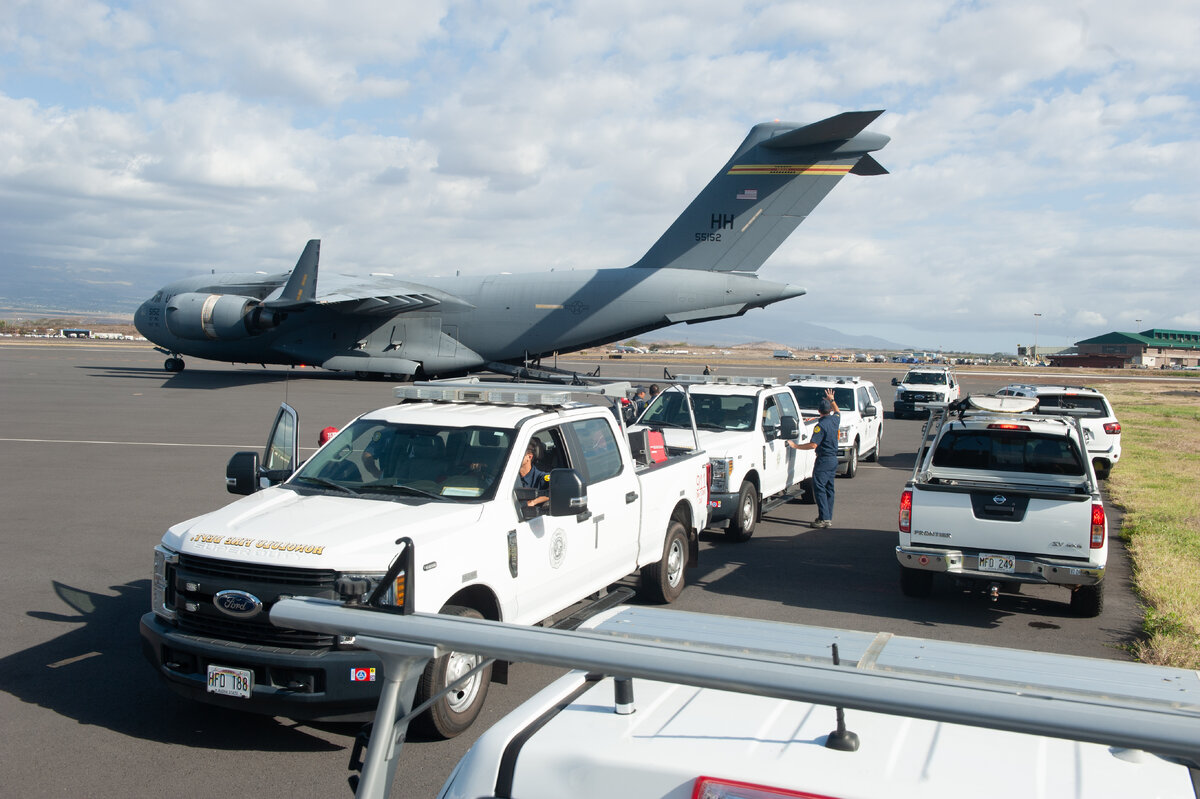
(1007, 426)
(1113, 428)
(713, 788)
(906, 511)
(707, 482)
(1097, 526)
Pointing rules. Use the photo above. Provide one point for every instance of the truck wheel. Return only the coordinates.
(874, 456)
(454, 712)
(852, 462)
(1102, 469)
(1088, 600)
(916, 583)
(663, 581)
(741, 526)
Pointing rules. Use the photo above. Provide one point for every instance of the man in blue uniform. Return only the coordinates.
(825, 442)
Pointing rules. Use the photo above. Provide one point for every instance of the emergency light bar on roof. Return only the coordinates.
(505, 393)
(828, 378)
(726, 380)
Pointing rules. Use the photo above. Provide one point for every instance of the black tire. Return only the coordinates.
(1088, 600)
(173, 364)
(454, 712)
(916, 583)
(851, 462)
(874, 456)
(663, 581)
(741, 526)
(1101, 470)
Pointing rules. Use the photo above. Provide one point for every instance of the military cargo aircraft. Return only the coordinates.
(703, 267)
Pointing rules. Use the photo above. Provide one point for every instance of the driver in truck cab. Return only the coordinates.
(530, 476)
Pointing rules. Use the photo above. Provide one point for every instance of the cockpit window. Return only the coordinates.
(389, 461)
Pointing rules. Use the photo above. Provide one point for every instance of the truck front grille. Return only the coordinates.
(198, 579)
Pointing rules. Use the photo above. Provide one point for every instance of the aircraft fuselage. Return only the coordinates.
(514, 317)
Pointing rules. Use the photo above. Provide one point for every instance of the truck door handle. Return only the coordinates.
(631, 497)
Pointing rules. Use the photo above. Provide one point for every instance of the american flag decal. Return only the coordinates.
(748, 194)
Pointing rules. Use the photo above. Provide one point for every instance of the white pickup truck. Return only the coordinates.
(1000, 495)
(745, 424)
(433, 479)
(672, 705)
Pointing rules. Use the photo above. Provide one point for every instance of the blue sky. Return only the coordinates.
(1043, 155)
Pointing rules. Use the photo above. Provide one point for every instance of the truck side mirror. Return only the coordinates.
(568, 493)
(789, 426)
(241, 475)
(895, 381)
(870, 410)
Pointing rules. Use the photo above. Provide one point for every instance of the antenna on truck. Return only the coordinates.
(841, 739)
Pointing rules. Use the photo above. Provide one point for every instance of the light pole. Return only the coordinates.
(1036, 317)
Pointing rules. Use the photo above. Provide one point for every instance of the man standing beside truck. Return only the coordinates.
(825, 442)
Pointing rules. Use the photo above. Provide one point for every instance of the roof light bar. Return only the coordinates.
(727, 380)
(471, 392)
(827, 378)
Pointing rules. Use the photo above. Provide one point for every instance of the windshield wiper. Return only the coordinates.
(404, 489)
(321, 481)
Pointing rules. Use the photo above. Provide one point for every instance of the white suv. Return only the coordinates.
(923, 384)
(861, 431)
(1101, 427)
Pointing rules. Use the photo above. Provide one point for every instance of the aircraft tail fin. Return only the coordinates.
(301, 287)
(774, 179)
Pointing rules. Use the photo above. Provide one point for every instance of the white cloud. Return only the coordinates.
(1042, 154)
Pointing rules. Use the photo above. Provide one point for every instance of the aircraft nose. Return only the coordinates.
(139, 318)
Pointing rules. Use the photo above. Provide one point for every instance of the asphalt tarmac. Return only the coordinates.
(102, 451)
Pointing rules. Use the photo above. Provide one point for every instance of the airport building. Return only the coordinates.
(1151, 349)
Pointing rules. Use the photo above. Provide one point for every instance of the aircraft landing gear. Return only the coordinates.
(173, 364)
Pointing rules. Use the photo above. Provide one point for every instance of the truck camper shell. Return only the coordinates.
(1126, 706)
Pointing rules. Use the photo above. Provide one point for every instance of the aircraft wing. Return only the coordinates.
(376, 294)
(380, 294)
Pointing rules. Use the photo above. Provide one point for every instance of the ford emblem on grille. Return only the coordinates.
(238, 604)
(999, 499)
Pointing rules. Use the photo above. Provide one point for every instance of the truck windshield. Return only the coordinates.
(404, 460)
(925, 379)
(809, 397)
(1008, 451)
(713, 412)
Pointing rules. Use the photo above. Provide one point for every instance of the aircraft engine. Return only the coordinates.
(219, 317)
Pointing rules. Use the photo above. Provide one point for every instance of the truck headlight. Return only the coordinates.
(162, 588)
(722, 468)
(354, 588)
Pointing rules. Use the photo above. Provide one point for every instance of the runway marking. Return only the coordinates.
(138, 443)
(69, 661)
(127, 443)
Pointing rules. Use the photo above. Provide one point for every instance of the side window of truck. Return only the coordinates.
(553, 453)
(787, 405)
(770, 417)
(597, 445)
